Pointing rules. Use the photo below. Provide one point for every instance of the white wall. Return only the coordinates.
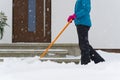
(61, 9)
(6, 7)
(105, 17)
(106, 24)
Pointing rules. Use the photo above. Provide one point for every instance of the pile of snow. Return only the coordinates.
(33, 69)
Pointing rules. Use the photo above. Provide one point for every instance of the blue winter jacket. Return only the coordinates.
(82, 11)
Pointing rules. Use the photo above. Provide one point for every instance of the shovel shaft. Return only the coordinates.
(50, 45)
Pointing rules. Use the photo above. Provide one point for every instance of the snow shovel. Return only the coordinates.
(50, 45)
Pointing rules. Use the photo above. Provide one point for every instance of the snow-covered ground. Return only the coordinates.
(33, 69)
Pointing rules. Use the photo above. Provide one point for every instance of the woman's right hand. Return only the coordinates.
(71, 17)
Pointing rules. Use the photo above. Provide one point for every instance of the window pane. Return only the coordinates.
(31, 15)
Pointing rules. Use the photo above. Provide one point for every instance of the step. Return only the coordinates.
(65, 59)
(73, 49)
(34, 45)
(58, 60)
(32, 52)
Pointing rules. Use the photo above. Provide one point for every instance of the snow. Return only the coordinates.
(32, 69)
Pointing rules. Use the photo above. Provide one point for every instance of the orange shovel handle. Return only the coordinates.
(50, 45)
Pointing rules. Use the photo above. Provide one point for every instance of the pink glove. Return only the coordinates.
(71, 17)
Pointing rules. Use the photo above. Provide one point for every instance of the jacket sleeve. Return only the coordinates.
(85, 8)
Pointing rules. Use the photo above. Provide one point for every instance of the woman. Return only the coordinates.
(82, 21)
